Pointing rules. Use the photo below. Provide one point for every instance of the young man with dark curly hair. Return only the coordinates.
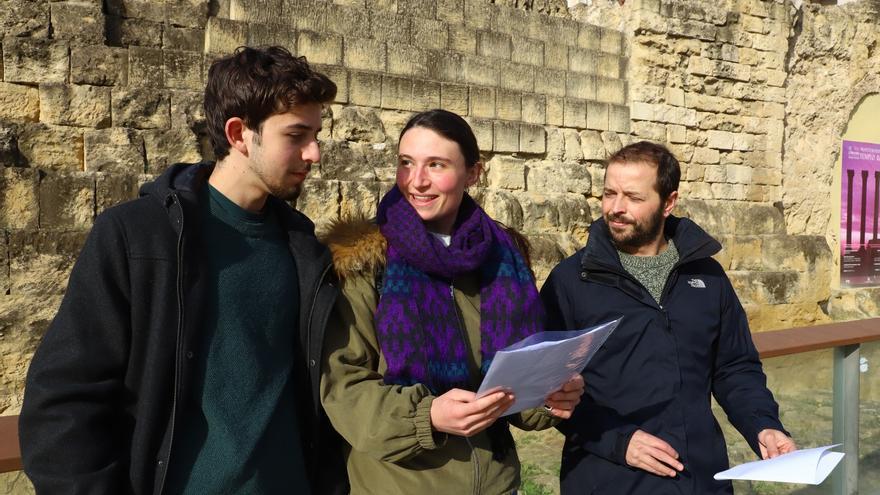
(183, 358)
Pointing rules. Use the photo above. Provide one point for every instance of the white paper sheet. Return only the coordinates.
(810, 466)
(538, 365)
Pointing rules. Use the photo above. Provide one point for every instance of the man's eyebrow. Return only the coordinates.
(304, 127)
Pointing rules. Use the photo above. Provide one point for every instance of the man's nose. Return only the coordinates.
(312, 152)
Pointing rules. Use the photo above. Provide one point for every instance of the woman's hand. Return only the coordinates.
(562, 402)
(459, 412)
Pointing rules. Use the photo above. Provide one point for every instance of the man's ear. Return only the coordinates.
(670, 203)
(237, 134)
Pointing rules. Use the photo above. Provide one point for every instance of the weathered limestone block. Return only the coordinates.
(482, 102)
(555, 110)
(505, 137)
(224, 35)
(257, 12)
(504, 172)
(98, 65)
(343, 160)
(10, 154)
(19, 203)
(75, 105)
(189, 39)
(357, 124)
(397, 93)
(764, 287)
(31, 60)
(19, 102)
(187, 13)
(479, 70)
(358, 199)
(575, 113)
(320, 48)
(166, 147)
(393, 122)
(81, 23)
(52, 147)
(501, 205)
(145, 66)
(567, 212)
(390, 27)
(597, 115)
(112, 189)
(532, 139)
(508, 104)
(67, 200)
(40, 260)
(462, 39)
(592, 145)
(365, 89)
(142, 9)
(319, 200)
(534, 109)
(407, 60)
(492, 44)
(763, 317)
(141, 108)
(183, 69)
(23, 320)
(808, 254)
(854, 304)
(25, 19)
(478, 13)
(426, 95)
(429, 34)
(741, 252)
(553, 177)
(547, 250)
(364, 54)
(451, 11)
(136, 31)
(580, 86)
(187, 109)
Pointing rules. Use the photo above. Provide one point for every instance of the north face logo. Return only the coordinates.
(697, 283)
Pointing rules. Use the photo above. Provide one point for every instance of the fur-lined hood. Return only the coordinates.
(358, 247)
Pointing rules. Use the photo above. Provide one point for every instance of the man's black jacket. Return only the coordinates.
(106, 385)
(656, 372)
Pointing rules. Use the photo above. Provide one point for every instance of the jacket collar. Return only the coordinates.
(185, 180)
(692, 242)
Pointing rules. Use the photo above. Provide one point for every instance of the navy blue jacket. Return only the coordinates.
(657, 370)
(108, 382)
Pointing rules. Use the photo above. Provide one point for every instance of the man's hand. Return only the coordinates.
(459, 412)
(647, 452)
(562, 402)
(773, 443)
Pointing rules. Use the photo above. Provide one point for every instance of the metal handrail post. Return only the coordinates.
(845, 422)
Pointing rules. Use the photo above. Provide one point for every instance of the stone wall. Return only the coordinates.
(98, 97)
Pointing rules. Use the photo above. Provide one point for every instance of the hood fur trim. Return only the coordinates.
(358, 247)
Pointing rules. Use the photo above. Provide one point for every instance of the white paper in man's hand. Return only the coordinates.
(538, 365)
(809, 466)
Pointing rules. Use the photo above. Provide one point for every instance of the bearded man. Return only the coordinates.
(645, 425)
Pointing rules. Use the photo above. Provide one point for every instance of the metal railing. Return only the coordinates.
(844, 337)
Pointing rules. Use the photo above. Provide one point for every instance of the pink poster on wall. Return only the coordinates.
(859, 204)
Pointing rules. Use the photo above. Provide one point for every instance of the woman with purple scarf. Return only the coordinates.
(430, 291)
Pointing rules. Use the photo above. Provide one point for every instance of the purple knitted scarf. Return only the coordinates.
(418, 325)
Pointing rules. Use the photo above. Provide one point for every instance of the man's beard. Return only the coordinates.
(640, 233)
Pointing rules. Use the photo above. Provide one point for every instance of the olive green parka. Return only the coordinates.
(392, 448)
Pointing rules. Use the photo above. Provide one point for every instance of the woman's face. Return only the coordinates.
(432, 175)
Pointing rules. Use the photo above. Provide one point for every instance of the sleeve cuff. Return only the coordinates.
(428, 438)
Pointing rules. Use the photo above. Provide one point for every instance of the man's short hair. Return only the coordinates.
(256, 83)
(668, 169)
